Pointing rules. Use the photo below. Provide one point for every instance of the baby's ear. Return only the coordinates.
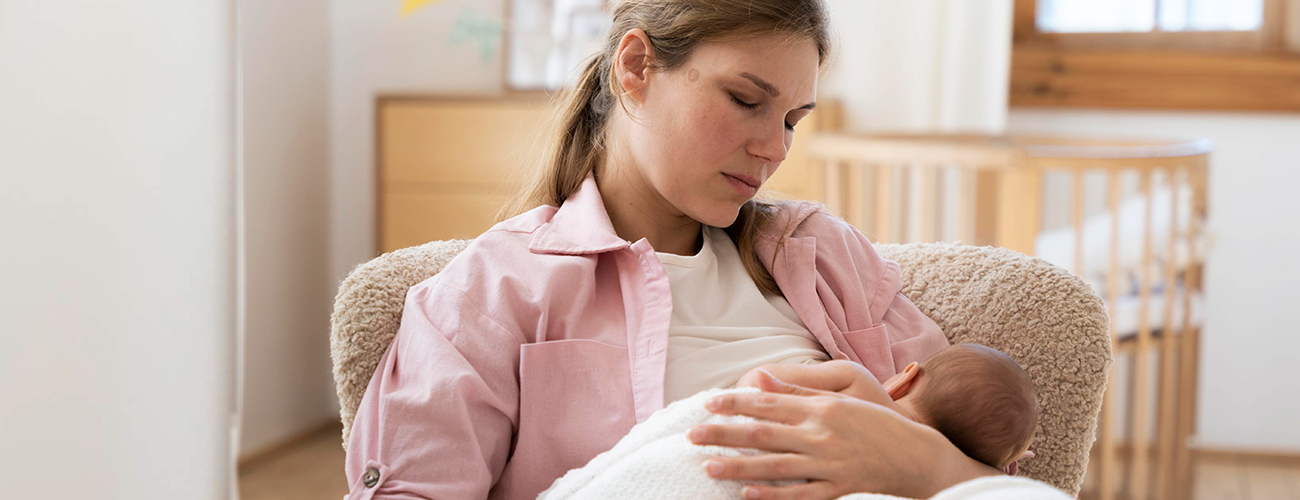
(898, 385)
(1013, 468)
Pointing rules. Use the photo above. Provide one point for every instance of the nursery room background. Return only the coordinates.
(185, 185)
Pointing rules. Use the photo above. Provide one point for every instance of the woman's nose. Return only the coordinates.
(771, 145)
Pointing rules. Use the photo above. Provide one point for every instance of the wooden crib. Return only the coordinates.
(1000, 191)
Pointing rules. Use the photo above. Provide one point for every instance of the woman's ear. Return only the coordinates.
(898, 385)
(632, 63)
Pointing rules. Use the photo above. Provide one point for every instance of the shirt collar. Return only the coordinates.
(581, 226)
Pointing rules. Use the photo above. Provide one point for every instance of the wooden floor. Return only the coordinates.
(312, 469)
(1222, 477)
(1246, 479)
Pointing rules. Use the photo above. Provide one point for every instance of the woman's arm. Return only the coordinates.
(437, 418)
(841, 445)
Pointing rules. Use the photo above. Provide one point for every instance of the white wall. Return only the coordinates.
(921, 65)
(374, 51)
(117, 213)
(288, 388)
(1247, 398)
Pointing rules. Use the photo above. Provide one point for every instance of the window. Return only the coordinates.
(549, 41)
(1170, 54)
(1107, 16)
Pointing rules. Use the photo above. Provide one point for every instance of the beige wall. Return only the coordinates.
(288, 388)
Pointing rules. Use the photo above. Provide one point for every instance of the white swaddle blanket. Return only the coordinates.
(656, 461)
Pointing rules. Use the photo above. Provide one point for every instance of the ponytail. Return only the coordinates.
(578, 144)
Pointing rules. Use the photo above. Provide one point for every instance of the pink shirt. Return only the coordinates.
(543, 343)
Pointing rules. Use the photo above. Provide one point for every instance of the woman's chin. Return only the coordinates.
(718, 216)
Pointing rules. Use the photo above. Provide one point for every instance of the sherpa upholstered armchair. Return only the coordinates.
(1047, 319)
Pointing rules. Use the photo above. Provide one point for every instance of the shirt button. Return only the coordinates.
(371, 477)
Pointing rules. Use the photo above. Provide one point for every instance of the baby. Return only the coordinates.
(977, 397)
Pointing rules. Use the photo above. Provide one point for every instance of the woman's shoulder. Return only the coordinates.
(500, 262)
(504, 248)
(839, 247)
(799, 218)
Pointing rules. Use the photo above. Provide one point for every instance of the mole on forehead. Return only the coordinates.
(693, 74)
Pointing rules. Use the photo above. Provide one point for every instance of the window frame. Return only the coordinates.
(1205, 70)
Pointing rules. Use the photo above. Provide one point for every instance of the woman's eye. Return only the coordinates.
(743, 104)
(747, 105)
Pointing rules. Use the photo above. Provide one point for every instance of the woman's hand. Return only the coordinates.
(839, 376)
(841, 445)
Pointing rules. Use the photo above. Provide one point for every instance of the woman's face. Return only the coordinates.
(706, 135)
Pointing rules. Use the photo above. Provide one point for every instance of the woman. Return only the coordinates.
(559, 329)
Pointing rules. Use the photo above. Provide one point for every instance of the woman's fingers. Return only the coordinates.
(839, 437)
(785, 408)
(812, 490)
(771, 467)
(764, 436)
(767, 382)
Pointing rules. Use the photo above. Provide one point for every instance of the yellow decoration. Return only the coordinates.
(410, 6)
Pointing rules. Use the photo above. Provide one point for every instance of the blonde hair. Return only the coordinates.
(675, 29)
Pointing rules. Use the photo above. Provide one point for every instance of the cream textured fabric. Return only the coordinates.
(367, 311)
(1045, 318)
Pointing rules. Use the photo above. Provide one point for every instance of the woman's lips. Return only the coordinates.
(745, 185)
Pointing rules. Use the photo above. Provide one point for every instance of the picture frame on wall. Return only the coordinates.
(549, 41)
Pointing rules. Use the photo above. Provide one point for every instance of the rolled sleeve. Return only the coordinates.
(440, 412)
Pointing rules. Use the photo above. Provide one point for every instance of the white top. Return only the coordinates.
(722, 324)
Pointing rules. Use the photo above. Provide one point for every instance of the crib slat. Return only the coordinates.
(902, 213)
(923, 197)
(966, 196)
(867, 190)
(1165, 415)
(1109, 469)
(1078, 222)
(834, 186)
(884, 202)
(1019, 209)
(1139, 438)
(1188, 361)
(817, 179)
(856, 199)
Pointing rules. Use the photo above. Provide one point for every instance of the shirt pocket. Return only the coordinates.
(872, 347)
(575, 401)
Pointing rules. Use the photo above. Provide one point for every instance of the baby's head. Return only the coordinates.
(977, 397)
